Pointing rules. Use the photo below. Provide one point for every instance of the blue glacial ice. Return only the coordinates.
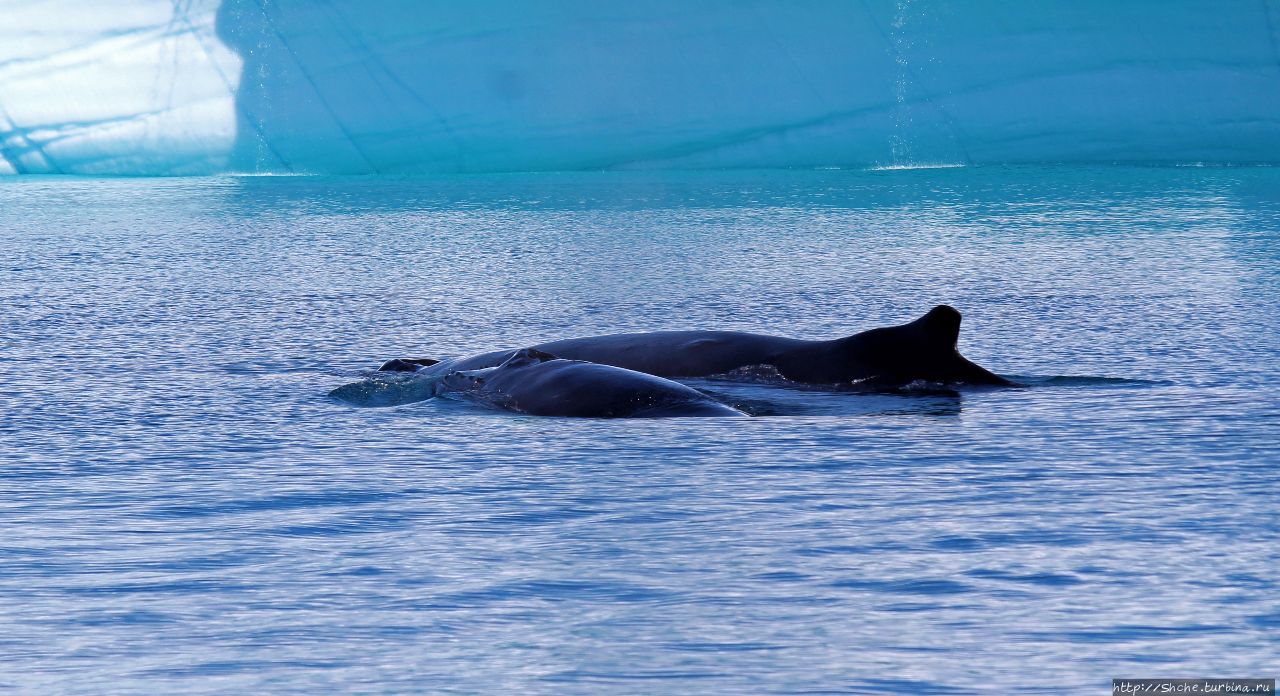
(398, 86)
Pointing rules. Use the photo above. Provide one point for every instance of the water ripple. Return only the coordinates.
(187, 512)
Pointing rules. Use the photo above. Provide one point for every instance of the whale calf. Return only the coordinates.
(882, 358)
(537, 383)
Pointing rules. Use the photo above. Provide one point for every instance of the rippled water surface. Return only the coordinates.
(185, 510)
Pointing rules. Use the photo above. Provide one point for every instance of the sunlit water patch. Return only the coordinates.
(187, 510)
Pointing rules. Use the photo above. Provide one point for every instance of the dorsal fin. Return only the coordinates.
(528, 356)
(406, 364)
(941, 325)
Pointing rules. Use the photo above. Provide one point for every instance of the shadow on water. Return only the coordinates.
(1085, 381)
(772, 401)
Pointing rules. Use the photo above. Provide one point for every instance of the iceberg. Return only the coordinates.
(171, 87)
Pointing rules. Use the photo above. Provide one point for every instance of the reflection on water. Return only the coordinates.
(187, 511)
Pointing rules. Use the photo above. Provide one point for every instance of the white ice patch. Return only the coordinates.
(115, 87)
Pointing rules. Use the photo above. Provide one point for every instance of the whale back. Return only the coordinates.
(538, 383)
(889, 357)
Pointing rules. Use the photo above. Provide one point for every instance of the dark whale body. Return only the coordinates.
(924, 349)
(883, 358)
(540, 384)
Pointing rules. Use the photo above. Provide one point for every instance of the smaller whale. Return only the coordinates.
(537, 383)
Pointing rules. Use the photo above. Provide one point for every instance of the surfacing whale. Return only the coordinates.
(891, 357)
(537, 383)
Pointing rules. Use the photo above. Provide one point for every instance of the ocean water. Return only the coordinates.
(185, 510)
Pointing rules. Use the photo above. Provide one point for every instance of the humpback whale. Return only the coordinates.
(537, 383)
(882, 358)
